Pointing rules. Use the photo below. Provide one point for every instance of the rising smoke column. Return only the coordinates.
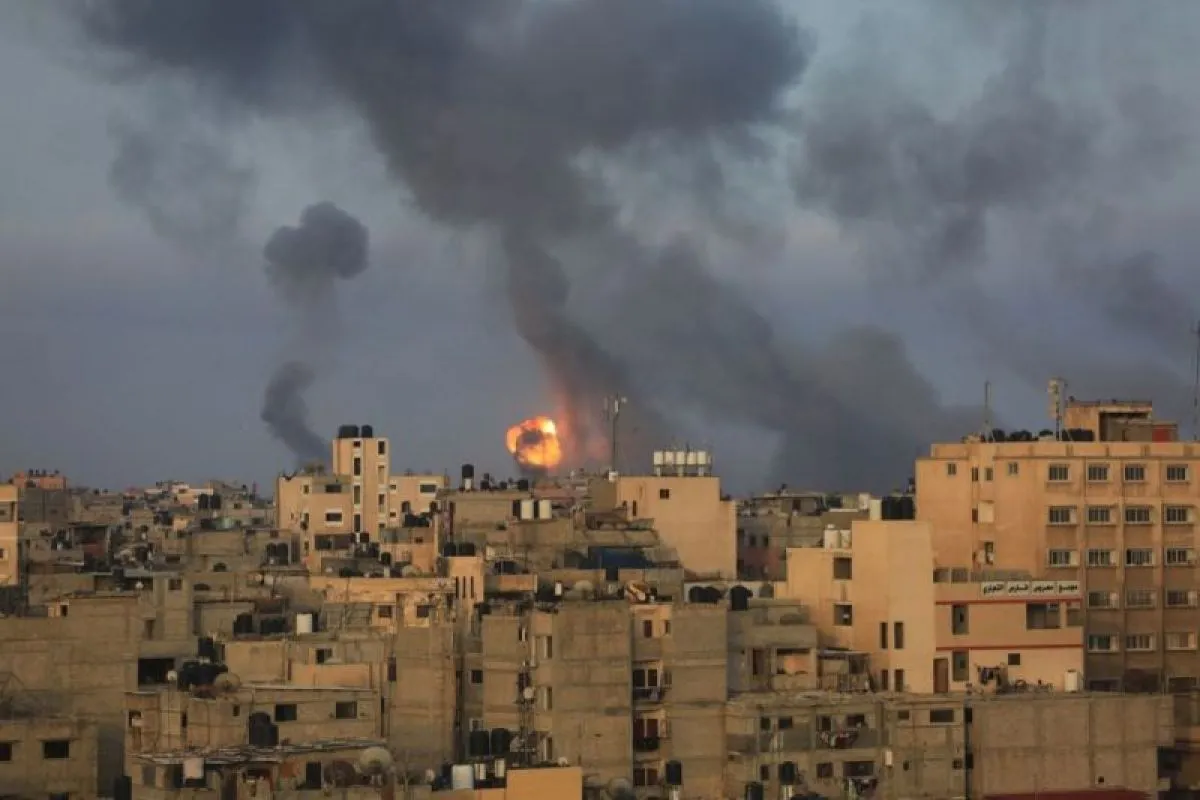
(304, 264)
(483, 109)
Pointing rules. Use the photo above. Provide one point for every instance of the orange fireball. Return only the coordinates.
(534, 443)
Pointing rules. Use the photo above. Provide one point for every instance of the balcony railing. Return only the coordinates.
(848, 739)
(646, 744)
(649, 694)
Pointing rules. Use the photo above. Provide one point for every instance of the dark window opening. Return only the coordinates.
(56, 749)
(285, 712)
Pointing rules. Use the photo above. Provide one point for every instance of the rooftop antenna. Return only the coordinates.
(1196, 388)
(612, 412)
(987, 409)
(1057, 385)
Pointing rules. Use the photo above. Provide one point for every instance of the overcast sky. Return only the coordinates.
(129, 356)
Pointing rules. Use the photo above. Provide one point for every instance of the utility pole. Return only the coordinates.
(612, 412)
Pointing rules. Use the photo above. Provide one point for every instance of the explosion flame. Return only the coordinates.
(535, 445)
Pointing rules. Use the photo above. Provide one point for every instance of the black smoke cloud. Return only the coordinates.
(484, 110)
(929, 196)
(304, 264)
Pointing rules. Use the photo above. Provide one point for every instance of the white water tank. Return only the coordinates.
(527, 509)
(544, 509)
(1072, 681)
(462, 776)
(304, 623)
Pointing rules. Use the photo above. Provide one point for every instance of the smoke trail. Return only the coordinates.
(483, 108)
(303, 264)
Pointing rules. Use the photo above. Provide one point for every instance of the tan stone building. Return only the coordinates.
(10, 555)
(1113, 510)
(46, 755)
(947, 746)
(875, 589)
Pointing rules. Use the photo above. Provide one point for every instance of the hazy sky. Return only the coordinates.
(132, 352)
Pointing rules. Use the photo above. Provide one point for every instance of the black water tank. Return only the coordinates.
(243, 624)
(739, 598)
(203, 502)
(385, 559)
(215, 503)
(754, 791)
(188, 675)
(523, 485)
(449, 549)
(368, 432)
(468, 471)
(347, 432)
(787, 773)
(479, 744)
(206, 648)
(674, 773)
(466, 549)
(501, 742)
(696, 594)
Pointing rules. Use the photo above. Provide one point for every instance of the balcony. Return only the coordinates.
(649, 694)
(848, 739)
(646, 744)
(787, 740)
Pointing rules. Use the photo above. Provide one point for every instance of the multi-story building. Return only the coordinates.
(46, 755)
(10, 555)
(875, 589)
(947, 746)
(364, 458)
(1110, 504)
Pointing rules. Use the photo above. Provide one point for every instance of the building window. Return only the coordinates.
(357, 466)
(384, 612)
(1180, 640)
(1139, 557)
(285, 712)
(357, 495)
(843, 615)
(960, 666)
(883, 637)
(645, 776)
(546, 697)
(1097, 473)
(1139, 598)
(664, 494)
(1074, 614)
(1137, 515)
(1099, 515)
(1139, 642)
(647, 629)
(1135, 473)
(1059, 472)
(1177, 515)
(941, 716)
(476, 677)
(975, 474)
(6, 751)
(898, 680)
(1042, 616)
(1062, 558)
(174, 584)
(382, 447)
(1102, 600)
(1101, 558)
(1013, 468)
(427, 488)
(1180, 598)
(347, 710)
(898, 635)
(1177, 473)
(1061, 515)
(843, 568)
(951, 469)
(959, 620)
(1102, 643)
(1179, 556)
(545, 647)
(333, 517)
(825, 770)
(987, 473)
(56, 749)
(1014, 659)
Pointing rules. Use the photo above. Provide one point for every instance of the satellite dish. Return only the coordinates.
(227, 682)
(620, 789)
(374, 761)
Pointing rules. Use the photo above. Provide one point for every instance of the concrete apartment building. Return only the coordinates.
(1113, 510)
(10, 550)
(875, 589)
(945, 746)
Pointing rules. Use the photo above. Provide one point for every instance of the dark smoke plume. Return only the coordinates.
(927, 195)
(286, 413)
(483, 108)
(303, 264)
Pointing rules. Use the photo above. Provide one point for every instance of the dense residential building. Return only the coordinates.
(602, 636)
